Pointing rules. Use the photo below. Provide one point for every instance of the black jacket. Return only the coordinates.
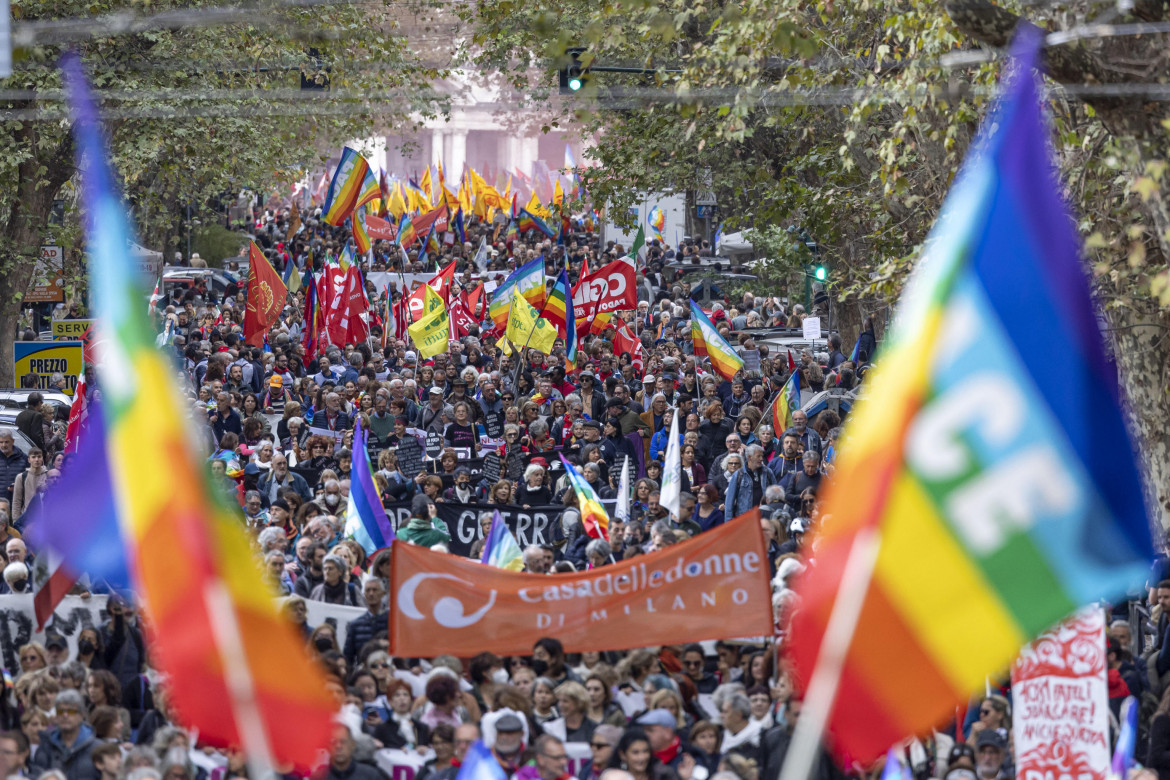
(31, 424)
(774, 748)
(361, 630)
(11, 467)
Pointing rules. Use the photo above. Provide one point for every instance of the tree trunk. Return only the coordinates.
(39, 179)
(1138, 337)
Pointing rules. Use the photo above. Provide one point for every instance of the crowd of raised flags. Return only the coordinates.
(968, 506)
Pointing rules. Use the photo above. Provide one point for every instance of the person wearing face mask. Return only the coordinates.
(16, 578)
(461, 492)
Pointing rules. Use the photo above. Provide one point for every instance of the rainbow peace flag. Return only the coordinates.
(526, 221)
(787, 401)
(987, 478)
(593, 514)
(237, 670)
(365, 518)
(707, 342)
(560, 302)
(657, 221)
(406, 233)
(353, 185)
(361, 234)
(562, 299)
(530, 282)
(500, 548)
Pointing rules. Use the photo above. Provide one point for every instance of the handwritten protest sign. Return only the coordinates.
(1061, 699)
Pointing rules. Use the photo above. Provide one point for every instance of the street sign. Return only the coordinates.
(704, 212)
(48, 284)
(70, 330)
(36, 362)
(706, 198)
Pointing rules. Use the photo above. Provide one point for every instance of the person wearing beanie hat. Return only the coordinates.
(422, 528)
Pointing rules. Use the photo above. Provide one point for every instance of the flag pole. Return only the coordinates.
(826, 675)
(250, 723)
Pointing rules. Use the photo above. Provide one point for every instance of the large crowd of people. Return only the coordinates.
(277, 426)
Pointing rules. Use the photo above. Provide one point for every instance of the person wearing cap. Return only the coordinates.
(665, 744)
(276, 396)
(430, 415)
(508, 745)
(990, 754)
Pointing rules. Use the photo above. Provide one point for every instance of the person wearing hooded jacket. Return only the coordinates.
(421, 529)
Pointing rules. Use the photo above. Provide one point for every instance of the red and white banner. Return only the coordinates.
(714, 586)
(1061, 702)
(378, 228)
(610, 288)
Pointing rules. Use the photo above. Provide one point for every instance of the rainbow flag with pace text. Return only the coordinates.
(593, 514)
(353, 185)
(707, 341)
(237, 671)
(990, 474)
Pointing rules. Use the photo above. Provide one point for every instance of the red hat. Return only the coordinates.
(539, 462)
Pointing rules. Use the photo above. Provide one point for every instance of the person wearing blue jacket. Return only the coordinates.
(746, 487)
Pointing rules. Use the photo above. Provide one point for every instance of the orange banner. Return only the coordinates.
(714, 586)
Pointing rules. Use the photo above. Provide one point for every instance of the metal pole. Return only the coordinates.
(188, 232)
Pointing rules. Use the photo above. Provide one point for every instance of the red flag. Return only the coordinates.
(266, 297)
(791, 362)
(77, 414)
(378, 228)
(461, 321)
(357, 327)
(52, 583)
(472, 300)
(608, 289)
(436, 217)
(336, 301)
(624, 341)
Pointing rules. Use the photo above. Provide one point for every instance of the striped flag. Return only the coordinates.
(365, 517)
(707, 341)
(500, 549)
(987, 486)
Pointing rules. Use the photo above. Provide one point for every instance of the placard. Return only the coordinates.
(333, 436)
(493, 425)
(410, 457)
(812, 327)
(751, 359)
(491, 467)
(1060, 697)
(35, 362)
(70, 330)
(516, 466)
(434, 444)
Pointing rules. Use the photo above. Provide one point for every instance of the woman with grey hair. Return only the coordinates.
(533, 491)
(335, 589)
(269, 540)
(598, 552)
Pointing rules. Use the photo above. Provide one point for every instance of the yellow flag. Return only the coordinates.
(425, 182)
(431, 300)
(523, 320)
(536, 207)
(558, 193)
(431, 333)
(294, 279)
(397, 205)
(505, 346)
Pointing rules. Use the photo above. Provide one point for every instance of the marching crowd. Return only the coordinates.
(278, 427)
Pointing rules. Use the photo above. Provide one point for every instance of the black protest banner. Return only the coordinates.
(410, 457)
(491, 467)
(535, 525)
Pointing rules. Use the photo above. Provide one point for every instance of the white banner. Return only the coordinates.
(18, 623)
(1061, 702)
(334, 614)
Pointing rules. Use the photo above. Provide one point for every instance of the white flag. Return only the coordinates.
(481, 255)
(622, 510)
(670, 496)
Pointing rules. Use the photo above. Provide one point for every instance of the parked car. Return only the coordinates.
(17, 398)
(8, 421)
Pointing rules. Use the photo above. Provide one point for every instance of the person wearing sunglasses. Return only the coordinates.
(601, 746)
(68, 745)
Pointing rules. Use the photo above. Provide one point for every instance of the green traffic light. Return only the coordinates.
(575, 84)
(822, 273)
